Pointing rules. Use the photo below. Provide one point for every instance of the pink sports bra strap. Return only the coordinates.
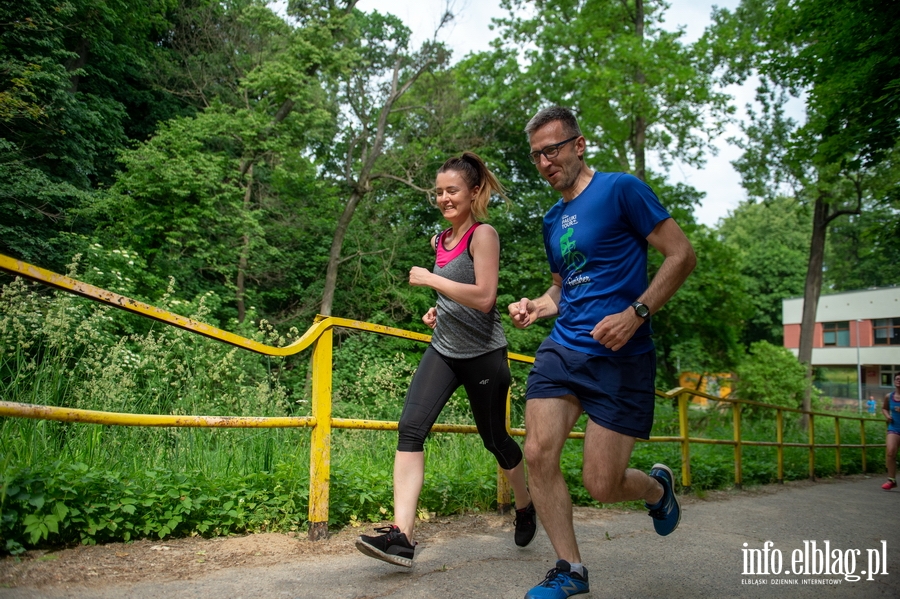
(444, 256)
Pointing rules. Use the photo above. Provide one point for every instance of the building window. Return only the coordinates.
(887, 375)
(887, 331)
(836, 334)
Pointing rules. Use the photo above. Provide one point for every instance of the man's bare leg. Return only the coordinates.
(548, 422)
(606, 474)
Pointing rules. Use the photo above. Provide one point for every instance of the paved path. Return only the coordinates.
(703, 558)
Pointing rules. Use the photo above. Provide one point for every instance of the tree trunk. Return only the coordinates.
(247, 170)
(77, 63)
(245, 251)
(811, 291)
(640, 123)
(361, 184)
(334, 254)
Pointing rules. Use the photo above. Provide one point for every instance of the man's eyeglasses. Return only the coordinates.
(549, 151)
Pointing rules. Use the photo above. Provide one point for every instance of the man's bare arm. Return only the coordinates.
(679, 260)
(526, 311)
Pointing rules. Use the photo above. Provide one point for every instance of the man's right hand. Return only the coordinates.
(523, 312)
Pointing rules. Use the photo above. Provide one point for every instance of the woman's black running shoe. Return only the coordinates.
(390, 546)
(526, 525)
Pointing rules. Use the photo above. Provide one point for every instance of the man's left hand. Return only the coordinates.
(614, 331)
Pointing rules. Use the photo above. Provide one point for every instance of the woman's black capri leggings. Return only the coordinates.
(486, 380)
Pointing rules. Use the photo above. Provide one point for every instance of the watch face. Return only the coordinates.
(642, 310)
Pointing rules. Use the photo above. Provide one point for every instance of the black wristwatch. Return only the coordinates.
(641, 310)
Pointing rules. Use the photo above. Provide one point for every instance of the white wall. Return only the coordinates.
(846, 356)
(883, 302)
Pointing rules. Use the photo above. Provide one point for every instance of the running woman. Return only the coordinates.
(468, 348)
(891, 410)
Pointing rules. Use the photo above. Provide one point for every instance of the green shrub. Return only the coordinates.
(772, 374)
(78, 504)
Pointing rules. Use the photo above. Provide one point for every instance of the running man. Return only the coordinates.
(599, 358)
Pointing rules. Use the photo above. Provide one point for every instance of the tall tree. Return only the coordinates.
(635, 87)
(777, 156)
(202, 196)
(846, 55)
(817, 47)
(370, 94)
(864, 251)
(771, 239)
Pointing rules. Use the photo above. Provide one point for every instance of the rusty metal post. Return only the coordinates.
(779, 438)
(812, 448)
(738, 471)
(504, 497)
(320, 441)
(684, 433)
(837, 449)
(862, 441)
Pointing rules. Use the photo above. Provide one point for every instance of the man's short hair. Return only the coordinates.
(551, 114)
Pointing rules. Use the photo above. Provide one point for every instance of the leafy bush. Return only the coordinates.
(60, 350)
(371, 375)
(80, 504)
(772, 374)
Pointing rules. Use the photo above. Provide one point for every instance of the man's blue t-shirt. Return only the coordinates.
(598, 245)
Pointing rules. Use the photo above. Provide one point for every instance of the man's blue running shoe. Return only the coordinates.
(667, 513)
(560, 583)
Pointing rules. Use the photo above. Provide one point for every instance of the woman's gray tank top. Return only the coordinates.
(463, 332)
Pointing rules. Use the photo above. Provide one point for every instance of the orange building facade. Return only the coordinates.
(859, 329)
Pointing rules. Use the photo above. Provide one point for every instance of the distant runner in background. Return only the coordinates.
(890, 407)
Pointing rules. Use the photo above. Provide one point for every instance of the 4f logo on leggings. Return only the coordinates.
(484, 382)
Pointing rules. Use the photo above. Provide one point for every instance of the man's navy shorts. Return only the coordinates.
(617, 392)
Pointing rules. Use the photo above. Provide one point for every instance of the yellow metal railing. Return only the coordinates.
(319, 337)
(738, 441)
